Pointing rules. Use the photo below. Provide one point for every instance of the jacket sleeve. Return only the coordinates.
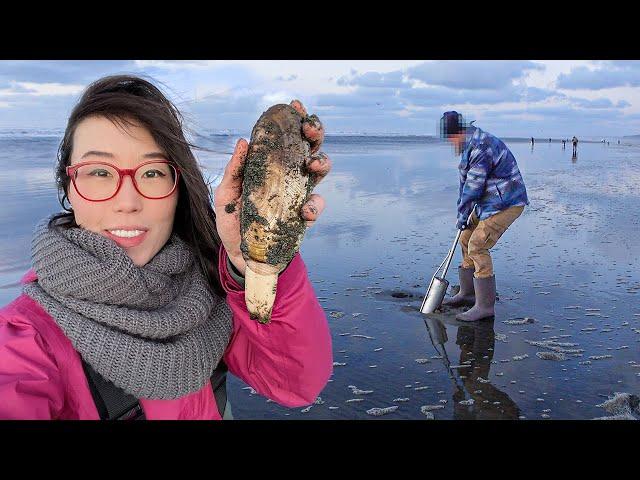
(289, 359)
(30, 384)
(475, 183)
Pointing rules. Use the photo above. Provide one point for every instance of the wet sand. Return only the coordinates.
(567, 328)
(569, 265)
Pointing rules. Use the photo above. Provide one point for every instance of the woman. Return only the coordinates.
(135, 304)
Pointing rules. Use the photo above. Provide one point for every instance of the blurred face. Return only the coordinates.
(457, 140)
(141, 226)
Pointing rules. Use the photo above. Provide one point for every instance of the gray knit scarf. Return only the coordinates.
(155, 331)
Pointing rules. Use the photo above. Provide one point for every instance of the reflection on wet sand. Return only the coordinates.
(388, 223)
(474, 397)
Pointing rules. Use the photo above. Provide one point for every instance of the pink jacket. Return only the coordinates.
(288, 360)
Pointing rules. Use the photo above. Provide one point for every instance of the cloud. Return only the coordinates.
(396, 84)
(28, 111)
(290, 78)
(10, 89)
(39, 89)
(58, 71)
(273, 98)
(633, 116)
(557, 120)
(176, 64)
(555, 112)
(448, 96)
(401, 99)
(237, 110)
(534, 94)
(610, 75)
(238, 102)
(596, 103)
(358, 99)
(622, 63)
(412, 107)
(374, 80)
(472, 74)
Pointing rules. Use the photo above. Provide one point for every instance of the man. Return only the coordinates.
(490, 180)
(574, 141)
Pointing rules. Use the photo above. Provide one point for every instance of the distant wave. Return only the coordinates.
(339, 137)
(380, 139)
(31, 133)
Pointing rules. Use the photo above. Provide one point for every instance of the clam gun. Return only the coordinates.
(438, 286)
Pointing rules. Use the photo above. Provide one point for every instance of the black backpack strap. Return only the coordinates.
(113, 403)
(219, 386)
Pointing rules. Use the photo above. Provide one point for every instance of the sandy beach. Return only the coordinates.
(567, 330)
(567, 279)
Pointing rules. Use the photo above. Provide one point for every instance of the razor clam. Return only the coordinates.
(275, 187)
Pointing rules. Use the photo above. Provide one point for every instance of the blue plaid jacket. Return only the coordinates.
(489, 177)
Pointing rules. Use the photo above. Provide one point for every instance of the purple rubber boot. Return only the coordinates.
(485, 289)
(466, 297)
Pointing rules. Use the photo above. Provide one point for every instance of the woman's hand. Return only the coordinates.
(228, 194)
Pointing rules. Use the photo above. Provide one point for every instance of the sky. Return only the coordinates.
(509, 98)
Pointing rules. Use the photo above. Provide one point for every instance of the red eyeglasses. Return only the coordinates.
(99, 181)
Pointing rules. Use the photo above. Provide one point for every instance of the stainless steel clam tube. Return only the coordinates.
(438, 286)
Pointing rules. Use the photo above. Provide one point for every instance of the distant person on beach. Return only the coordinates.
(564, 143)
(574, 141)
(532, 141)
(491, 181)
(549, 140)
(135, 305)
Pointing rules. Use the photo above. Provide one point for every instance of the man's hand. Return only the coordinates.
(227, 197)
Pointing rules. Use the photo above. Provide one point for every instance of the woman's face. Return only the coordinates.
(141, 226)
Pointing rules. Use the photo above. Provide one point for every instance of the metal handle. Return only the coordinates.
(452, 251)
